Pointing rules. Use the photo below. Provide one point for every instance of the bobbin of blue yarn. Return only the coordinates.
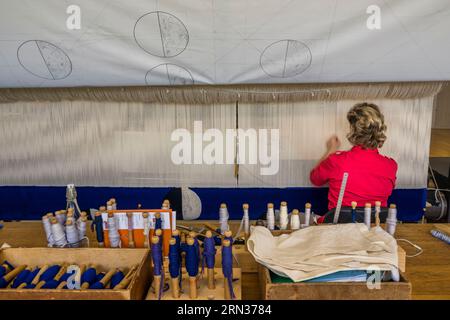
(32, 275)
(50, 273)
(21, 278)
(3, 283)
(97, 285)
(227, 267)
(116, 278)
(89, 276)
(191, 260)
(99, 276)
(50, 284)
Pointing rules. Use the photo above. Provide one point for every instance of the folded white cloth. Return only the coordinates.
(320, 250)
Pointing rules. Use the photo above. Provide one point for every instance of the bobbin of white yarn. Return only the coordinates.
(246, 219)
(223, 218)
(295, 220)
(270, 217)
(72, 234)
(284, 217)
(109, 205)
(113, 203)
(367, 214)
(391, 220)
(48, 230)
(113, 232)
(82, 221)
(146, 229)
(59, 236)
(61, 216)
(307, 214)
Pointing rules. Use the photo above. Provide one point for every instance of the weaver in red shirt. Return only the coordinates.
(371, 176)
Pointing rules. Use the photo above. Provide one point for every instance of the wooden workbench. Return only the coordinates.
(429, 273)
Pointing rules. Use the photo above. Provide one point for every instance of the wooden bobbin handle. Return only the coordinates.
(193, 288)
(157, 285)
(175, 286)
(12, 274)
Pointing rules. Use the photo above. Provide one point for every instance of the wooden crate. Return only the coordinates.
(331, 290)
(202, 284)
(104, 259)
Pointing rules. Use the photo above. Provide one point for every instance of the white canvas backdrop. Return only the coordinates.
(172, 42)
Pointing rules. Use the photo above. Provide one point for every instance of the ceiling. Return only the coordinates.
(145, 42)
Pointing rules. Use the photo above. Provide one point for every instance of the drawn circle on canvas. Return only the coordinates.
(285, 58)
(44, 60)
(168, 74)
(191, 204)
(161, 34)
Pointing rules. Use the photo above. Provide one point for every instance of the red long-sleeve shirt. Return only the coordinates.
(371, 176)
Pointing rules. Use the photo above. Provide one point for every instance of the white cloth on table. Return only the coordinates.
(320, 250)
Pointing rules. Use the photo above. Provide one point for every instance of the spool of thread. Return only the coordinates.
(113, 203)
(109, 206)
(113, 231)
(35, 280)
(130, 230)
(158, 221)
(377, 213)
(104, 215)
(295, 220)
(354, 204)
(104, 280)
(441, 236)
(174, 267)
(21, 278)
(270, 216)
(284, 217)
(7, 278)
(165, 205)
(61, 216)
(126, 281)
(5, 268)
(82, 223)
(228, 235)
(88, 277)
(192, 267)
(146, 229)
(52, 282)
(98, 223)
(209, 257)
(307, 214)
(227, 269)
(116, 278)
(158, 233)
(367, 214)
(391, 220)
(29, 279)
(246, 218)
(48, 230)
(223, 218)
(59, 236)
(72, 234)
(158, 272)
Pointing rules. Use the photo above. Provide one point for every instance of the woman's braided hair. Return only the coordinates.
(367, 127)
